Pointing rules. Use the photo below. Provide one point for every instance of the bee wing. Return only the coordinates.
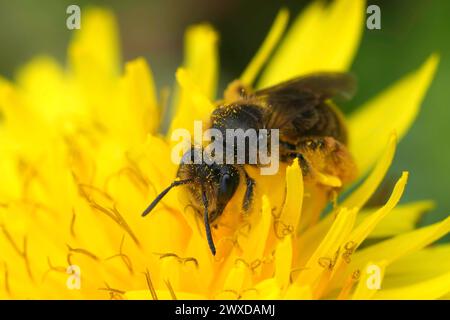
(298, 106)
(299, 103)
(313, 87)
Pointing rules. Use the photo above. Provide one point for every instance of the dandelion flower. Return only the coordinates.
(82, 156)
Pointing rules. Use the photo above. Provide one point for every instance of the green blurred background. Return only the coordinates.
(411, 30)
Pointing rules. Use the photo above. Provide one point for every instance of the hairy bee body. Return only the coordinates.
(310, 128)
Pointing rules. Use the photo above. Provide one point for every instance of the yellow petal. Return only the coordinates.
(360, 233)
(236, 277)
(328, 180)
(322, 38)
(254, 245)
(418, 266)
(195, 106)
(19, 119)
(162, 295)
(141, 96)
(290, 215)
(403, 218)
(197, 80)
(445, 297)
(401, 245)
(201, 58)
(297, 292)
(328, 250)
(276, 31)
(266, 289)
(283, 258)
(170, 272)
(393, 110)
(41, 83)
(312, 236)
(131, 113)
(360, 196)
(94, 51)
(94, 65)
(366, 226)
(425, 290)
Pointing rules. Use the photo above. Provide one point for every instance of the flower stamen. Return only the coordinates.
(138, 180)
(150, 285)
(349, 249)
(291, 274)
(172, 292)
(125, 258)
(6, 277)
(114, 294)
(286, 229)
(348, 285)
(72, 223)
(181, 260)
(329, 263)
(83, 251)
(22, 253)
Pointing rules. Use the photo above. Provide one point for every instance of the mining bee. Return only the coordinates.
(311, 129)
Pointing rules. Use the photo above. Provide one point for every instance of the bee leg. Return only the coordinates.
(236, 90)
(304, 164)
(209, 237)
(248, 197)
(328, 156)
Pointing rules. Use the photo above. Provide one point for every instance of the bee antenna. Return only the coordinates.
(163, 193)
(212, 247)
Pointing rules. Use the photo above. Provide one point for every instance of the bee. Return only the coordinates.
(311, 129)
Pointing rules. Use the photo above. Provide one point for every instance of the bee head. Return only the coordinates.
(217, 182)
(210, 185)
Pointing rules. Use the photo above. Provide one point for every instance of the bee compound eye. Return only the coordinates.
(225, 184)
(224, 181)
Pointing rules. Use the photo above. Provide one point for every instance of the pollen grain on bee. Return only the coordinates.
(234, 146)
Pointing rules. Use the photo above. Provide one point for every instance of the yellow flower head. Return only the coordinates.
(82, 156)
